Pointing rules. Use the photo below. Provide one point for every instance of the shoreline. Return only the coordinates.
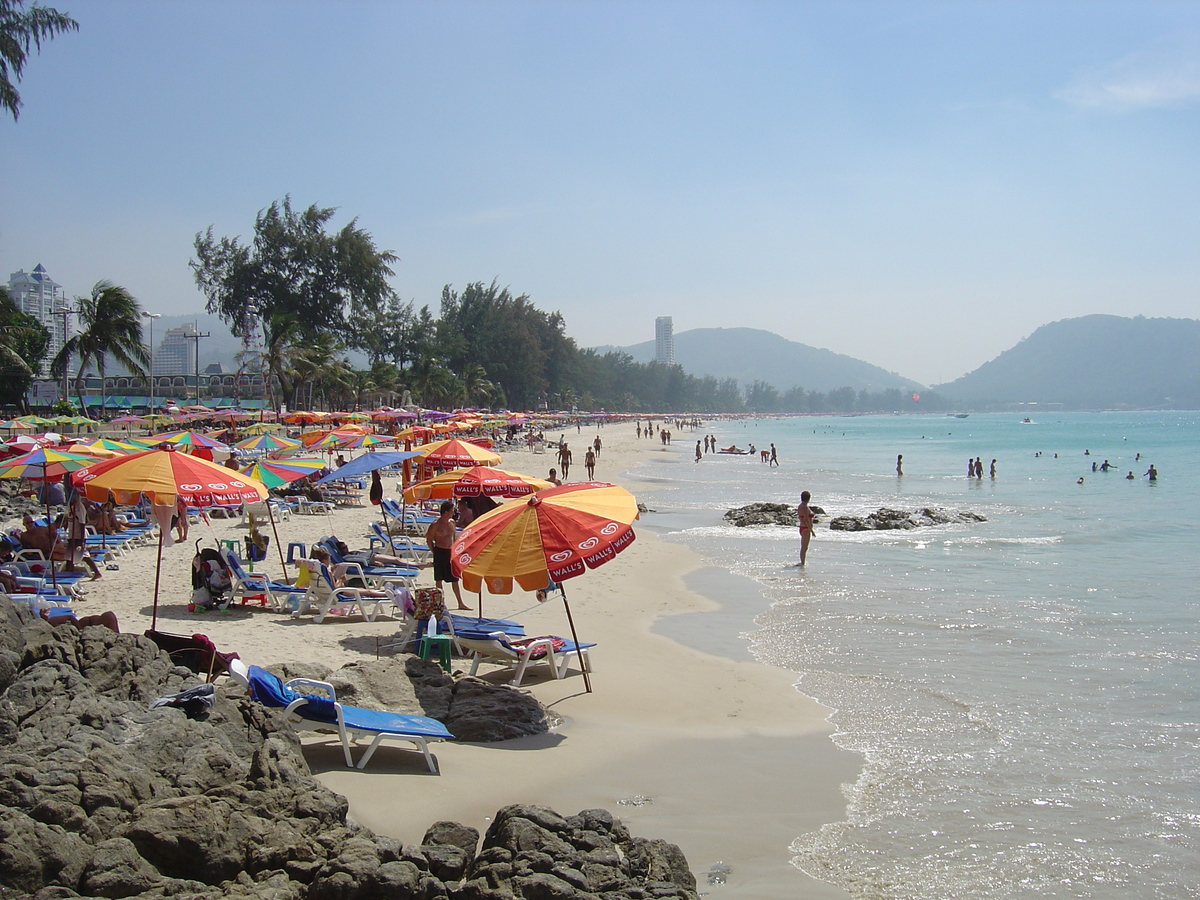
(735, 761)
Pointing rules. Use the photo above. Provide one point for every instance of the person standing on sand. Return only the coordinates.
(589, 463)
(439, 537)
(805, 515)
(699, 452)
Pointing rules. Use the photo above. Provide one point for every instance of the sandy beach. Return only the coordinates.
(706, 749)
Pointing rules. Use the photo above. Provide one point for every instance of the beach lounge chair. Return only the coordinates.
(196, 652)
(379, 575)
(323, 598)
(403, 545)
(245, 584)
(320, 711)
(517, 654)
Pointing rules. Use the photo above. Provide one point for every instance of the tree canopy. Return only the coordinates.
(23, 345)
(110, 323)
(23, 30)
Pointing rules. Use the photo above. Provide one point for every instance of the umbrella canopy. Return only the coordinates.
(186, 440)
(266, 443)
(110, 444)
(551, 536)
(276, 473)
(369, 462)
(358, 441)
(474, 482)
(44, 464)
(303, 417)
(162, 475)
(449, 454)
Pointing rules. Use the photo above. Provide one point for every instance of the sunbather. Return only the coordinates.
(339, 574)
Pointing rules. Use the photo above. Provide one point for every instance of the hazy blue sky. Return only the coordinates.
(916, 184)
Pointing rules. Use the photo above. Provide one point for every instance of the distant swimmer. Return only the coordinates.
(993, 470)
(1104, 466)
(899, 463)
(978, 467)
(1129, 477)
(1152, 473)
(805, 516)
(1080, 481)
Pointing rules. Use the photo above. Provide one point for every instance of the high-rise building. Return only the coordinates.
(176, 353)
(37, 294)
(664, 341)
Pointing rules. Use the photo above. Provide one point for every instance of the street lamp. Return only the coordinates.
(151, 316)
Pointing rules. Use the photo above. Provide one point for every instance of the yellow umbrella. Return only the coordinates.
(549, 537)
(454, 452)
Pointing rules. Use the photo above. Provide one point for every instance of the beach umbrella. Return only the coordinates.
(413, 432)
(161, 476)
(370, 462)
(551, 536)
(187, 441)
(278, 472)
(475, 482)
(127, 421)
(45, 464)
(359, 441)
(303, 417)
(118, 446)
(452, 453)
(266, 443)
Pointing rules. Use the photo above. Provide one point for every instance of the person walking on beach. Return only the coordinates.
(439, 537)
(805, 516)
(596, 445)
(699, 452)
(774, 457)
(589, 463)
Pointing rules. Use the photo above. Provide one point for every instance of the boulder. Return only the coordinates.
(768, 514)
(101, 796)
(885, 519)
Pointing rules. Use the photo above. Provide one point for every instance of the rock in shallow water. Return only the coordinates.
(884, 519)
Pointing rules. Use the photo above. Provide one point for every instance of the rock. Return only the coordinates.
(767, 514)
(101, 796)
(885, 519)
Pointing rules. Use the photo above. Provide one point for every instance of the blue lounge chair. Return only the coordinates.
(321, 712)
(257, 584)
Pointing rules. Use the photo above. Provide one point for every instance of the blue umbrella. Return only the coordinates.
(369, 462)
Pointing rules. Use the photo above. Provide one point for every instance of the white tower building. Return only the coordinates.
(664, 341)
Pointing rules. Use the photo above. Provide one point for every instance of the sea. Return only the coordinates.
(1024, 691)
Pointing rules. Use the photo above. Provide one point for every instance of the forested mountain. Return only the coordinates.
(1093, 362)
(750, 354)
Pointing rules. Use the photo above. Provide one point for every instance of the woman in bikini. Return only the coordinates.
(805, 515)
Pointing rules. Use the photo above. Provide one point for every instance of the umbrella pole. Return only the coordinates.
(275, 531)
(587, 681)
(157, 578)
(49, 525)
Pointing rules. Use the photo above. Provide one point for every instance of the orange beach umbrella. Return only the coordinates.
(551, 536)
(474, 482)
(458, 453)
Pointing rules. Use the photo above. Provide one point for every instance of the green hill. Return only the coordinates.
(1093, 362)
(750, 354)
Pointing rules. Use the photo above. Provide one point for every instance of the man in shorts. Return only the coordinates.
(440, 538)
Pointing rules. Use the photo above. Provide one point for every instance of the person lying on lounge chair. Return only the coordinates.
(338, 573)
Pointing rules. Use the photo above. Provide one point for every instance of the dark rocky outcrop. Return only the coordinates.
(885, 519)
(101, 796)
(768, 514)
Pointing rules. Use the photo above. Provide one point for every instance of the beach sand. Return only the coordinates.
(684, 742)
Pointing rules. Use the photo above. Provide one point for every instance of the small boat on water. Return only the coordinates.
(958, 415)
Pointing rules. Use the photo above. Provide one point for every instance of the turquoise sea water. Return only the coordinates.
(1025, 690)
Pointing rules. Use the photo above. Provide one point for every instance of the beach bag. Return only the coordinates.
(428, 602)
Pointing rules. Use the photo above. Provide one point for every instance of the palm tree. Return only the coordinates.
(23, 30)
(111, 323)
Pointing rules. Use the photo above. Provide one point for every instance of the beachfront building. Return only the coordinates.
(39, 295)
(175, 355)
(664, 341)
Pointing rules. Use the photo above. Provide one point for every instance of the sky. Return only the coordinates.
(920, 185)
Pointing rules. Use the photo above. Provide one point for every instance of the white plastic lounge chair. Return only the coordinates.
(256, 584)
(320, 711)
(403, 545)
(497, 648)
(324, 598)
